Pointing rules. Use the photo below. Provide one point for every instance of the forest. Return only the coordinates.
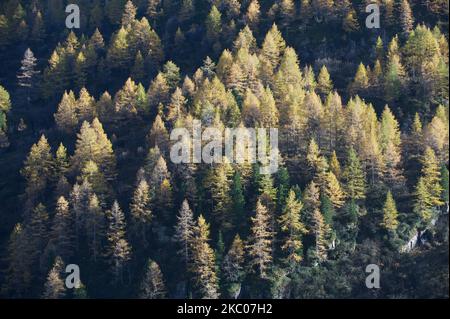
(86, 176)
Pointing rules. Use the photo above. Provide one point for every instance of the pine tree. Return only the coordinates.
(5, 106)
(95, 226)
(152, 286)
(390, 214)
(62, 234)
(154, 9)
(19, 272)
(54, 286)
(141, 213)
(218, 182)
(80, 70)
(354, 177)
(203, 262)
(445, 186)
(260, 243)
(119, 250)
(350, 23)
(233, 267)
(138, 69)
(394, 79)
(238, 202)
(37, 228)
(292, 229)
(213, 24)
(118, 52)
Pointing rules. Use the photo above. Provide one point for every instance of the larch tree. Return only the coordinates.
(141, 213)
(119, 251)
(184, 232)
(320, 230)
(203, 262)
(66, 116)
(390, 213)
(406, 17)
(260, 243)
(152, 286)
(95, 226)
(54, 287)
(27, 74)
(129, 14)
(252, 16)
(324, 83)
(391, 150)
(37, 168)
(333, 190)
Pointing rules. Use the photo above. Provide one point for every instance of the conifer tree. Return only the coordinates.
(390, 213)
(238, 202)
(333, 190)
(213, 24)
(129, 14)
(27, 74)
(319, 230)
(66, 117)
(292, 229)
(354, 177)
(37, 168)
(118, 52)
(360, 82)
(61, 163)
(119, 250)
(37, 228)
(233, 267)
(406, 17)
(62, 234)
(184, 234)
(85, 106)
(95, 226)
(54, 286)
(324, 83)
(203, 262)
(260, 243)
(431, 175)
(152, 286)
(253, 14)
(141, 213)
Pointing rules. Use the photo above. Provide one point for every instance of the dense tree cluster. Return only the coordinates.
(363, 148)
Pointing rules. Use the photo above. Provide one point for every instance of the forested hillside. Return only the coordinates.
(86, 176)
